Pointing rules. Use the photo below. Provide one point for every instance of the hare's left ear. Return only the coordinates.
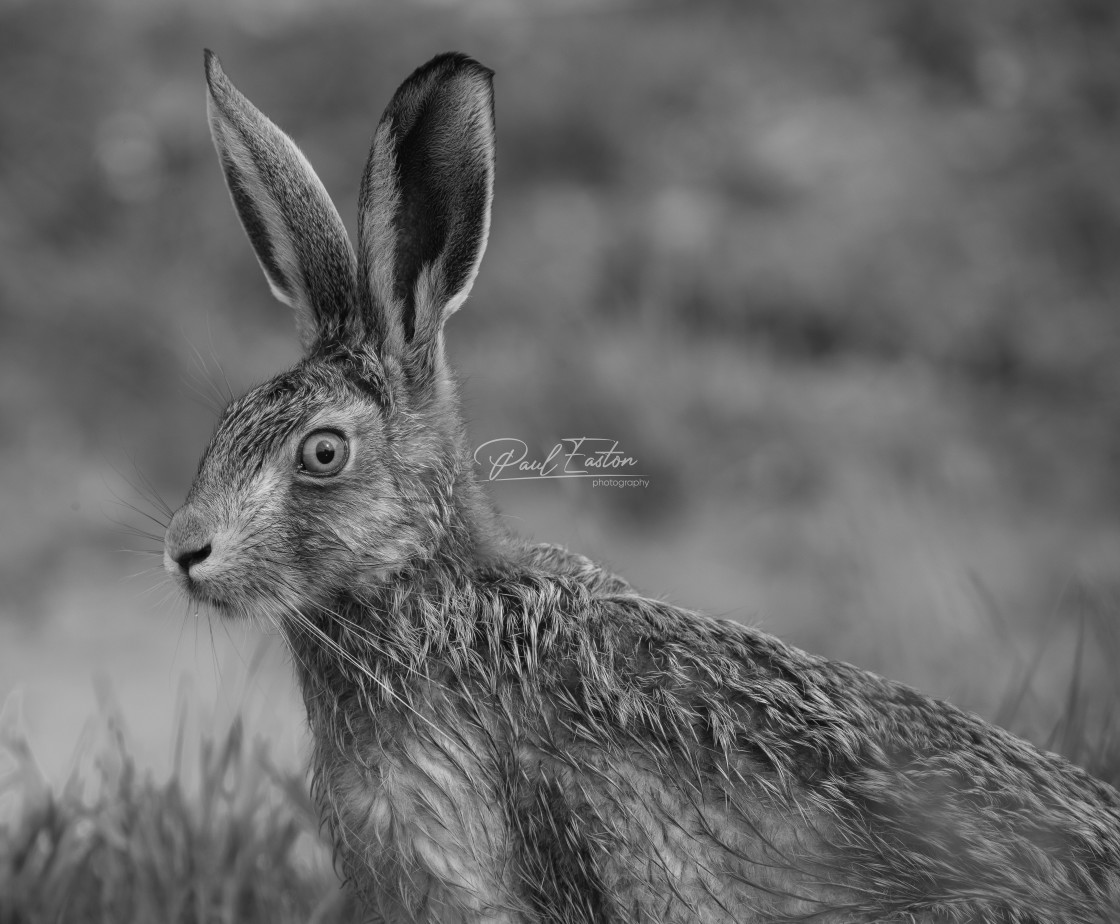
(424, 208)
(292, 224)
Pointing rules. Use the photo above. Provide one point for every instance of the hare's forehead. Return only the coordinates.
(255, 426)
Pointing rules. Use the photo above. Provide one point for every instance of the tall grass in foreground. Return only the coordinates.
(230, 837)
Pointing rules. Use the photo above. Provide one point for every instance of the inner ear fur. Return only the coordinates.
(424, 205)
(292, 224)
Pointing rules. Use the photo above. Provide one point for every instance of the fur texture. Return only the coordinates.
(506, 732)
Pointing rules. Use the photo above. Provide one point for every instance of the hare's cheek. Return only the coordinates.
(377, 525)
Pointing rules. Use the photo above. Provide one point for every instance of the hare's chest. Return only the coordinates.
(419, 826)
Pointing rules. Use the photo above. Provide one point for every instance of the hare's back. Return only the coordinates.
(707, 764)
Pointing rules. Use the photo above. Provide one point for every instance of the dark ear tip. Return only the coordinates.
(453, 64)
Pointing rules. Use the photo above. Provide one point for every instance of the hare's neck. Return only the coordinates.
(378, 649)
(474, 536)
(381, 638)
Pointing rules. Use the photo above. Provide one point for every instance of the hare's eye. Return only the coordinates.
(324, 452)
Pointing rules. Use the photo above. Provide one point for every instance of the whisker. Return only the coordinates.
(219, 400)
(229, 396)
(152, 493)
(140, 574)
(146, 490)
(137, 533)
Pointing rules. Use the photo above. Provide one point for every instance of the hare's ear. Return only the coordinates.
(424, 208)
(292, 224)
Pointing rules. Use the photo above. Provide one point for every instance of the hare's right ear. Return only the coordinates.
(424, 207)
(292, 224)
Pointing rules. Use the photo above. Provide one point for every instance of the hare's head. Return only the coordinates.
(352, 465)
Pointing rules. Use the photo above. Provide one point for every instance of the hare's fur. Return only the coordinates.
(507, 732)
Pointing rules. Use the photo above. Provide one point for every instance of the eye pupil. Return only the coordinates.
(323, 453)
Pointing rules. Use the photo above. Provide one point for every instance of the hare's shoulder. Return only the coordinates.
(804, 782)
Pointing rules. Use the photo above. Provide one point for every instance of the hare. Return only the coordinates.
(508, 732)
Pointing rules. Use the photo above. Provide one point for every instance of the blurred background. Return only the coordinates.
(843, 278)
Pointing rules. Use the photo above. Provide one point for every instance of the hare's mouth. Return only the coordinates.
(235, 604)
(235, 593)
(209, 586)
(203, 593)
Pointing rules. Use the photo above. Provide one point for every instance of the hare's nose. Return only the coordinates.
(192, 557)
(187, 542)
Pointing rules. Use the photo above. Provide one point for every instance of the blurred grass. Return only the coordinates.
(234, 840)
(843, 279)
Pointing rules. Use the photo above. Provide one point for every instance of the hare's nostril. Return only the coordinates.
(189, 557)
